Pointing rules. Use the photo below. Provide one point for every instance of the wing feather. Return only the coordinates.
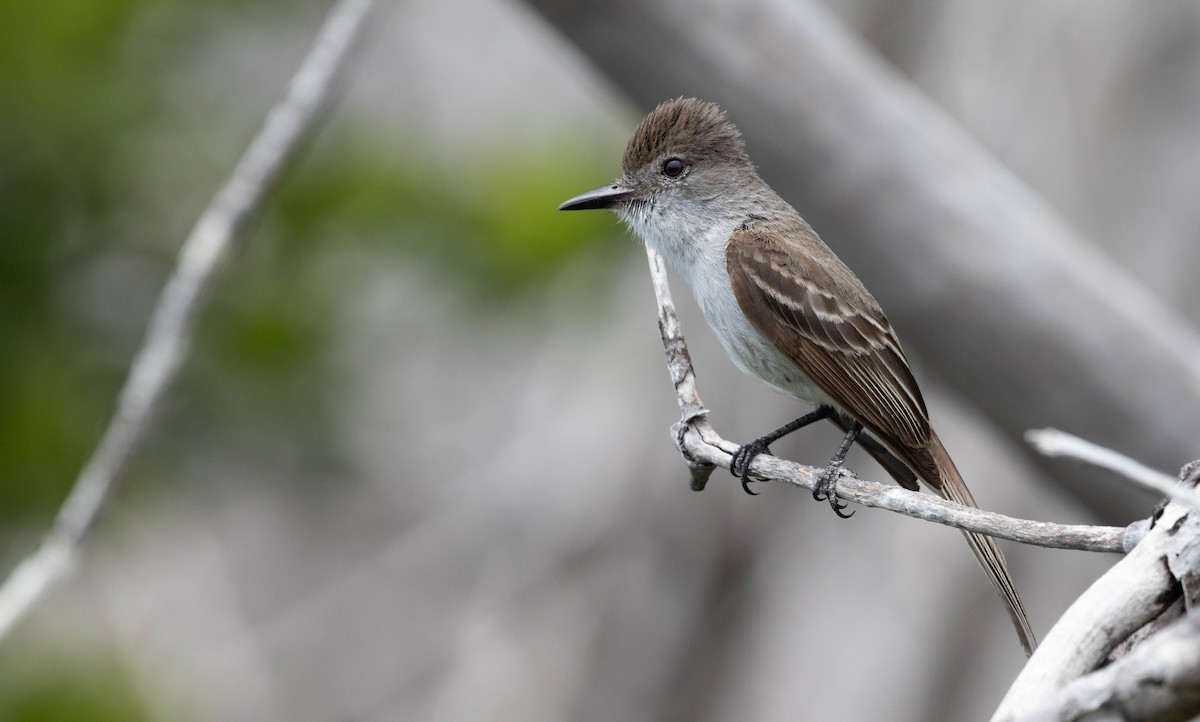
(820, 316)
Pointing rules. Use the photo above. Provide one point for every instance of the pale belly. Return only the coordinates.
(749, 351)
(702, 265)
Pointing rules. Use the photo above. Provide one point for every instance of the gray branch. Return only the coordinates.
(1137, 594)
(1053, 442)
(1158, 681)
(158, 360)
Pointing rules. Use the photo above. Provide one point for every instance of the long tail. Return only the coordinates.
(987, 553)
(933, 464)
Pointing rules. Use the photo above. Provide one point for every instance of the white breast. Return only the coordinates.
(702, 265)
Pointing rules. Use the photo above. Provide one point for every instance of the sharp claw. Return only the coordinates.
(825, 490)
(739, 465)
(838, 506)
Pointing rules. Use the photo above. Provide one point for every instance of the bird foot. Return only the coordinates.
(826, 490)
(739, 465)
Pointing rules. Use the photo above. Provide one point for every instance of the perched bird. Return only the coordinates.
(785, 308)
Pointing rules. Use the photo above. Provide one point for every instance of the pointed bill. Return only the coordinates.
(605, 197)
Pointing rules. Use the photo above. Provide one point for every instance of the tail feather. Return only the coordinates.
(933, 465)
(987, 553)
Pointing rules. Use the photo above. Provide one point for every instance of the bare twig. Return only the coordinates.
(679, 365)
(1053, 442)
(703, 450)
(158, 361)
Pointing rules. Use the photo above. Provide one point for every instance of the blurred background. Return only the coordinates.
(418, 465)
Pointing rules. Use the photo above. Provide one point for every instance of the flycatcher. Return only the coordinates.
(786, 309)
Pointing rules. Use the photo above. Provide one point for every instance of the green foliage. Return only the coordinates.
(262, 360)
(67, 95)
(81, 88)
(47, 685)
(488, 226)
(260, 380)
(81, 85)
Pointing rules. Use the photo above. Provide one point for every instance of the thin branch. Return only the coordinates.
(704, 450)
(679, 365)
(164, 348)
(1053, 442)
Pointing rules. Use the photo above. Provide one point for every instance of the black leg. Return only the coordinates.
(826, 485)
(739, 465)
(901, 473)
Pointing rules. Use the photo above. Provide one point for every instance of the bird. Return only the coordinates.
(785, 308)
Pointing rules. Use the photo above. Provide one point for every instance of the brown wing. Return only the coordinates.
(800, 297)
(804, 300)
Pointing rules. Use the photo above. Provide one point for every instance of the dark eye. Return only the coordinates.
(673, 167)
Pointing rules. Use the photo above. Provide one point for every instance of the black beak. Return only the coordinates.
(605, 197)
